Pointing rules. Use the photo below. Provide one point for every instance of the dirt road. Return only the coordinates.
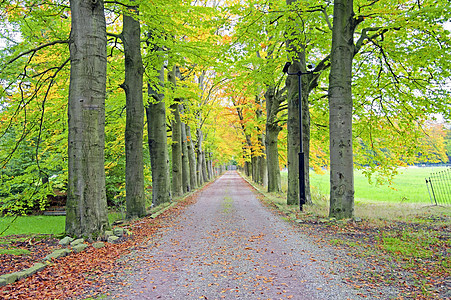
(228, 246)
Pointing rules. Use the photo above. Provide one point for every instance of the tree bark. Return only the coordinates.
(272, 133)
(340, 106)
(200, 176)
(293, 137)
(158, 147)
(192, 159)
(176, 124)
(263, 176)
(255, 171)
(86, 207)
(292, 83)
(177, 187)
(205, 175)
(185, 161)
(133, 84)
(210, 166)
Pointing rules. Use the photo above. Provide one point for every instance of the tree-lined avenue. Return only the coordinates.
(226, 246)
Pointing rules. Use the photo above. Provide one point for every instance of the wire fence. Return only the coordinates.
(439, 187)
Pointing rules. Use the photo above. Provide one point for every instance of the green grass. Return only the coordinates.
(42, 224)
(14, 251)
(408, 186)
(338, 242)
(33, 225)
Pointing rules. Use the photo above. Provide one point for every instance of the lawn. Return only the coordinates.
(33, 225)
(408, 186)
(41, 224)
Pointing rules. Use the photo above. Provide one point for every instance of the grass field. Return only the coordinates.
(33, 225)
(408, 186)
(41, 224)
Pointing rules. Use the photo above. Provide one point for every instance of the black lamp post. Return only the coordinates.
(301, 153)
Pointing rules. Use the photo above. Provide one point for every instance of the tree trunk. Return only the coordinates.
(263, 176)
(293, 137)
(255, 171)
(158, 146)
(205, 175)
(86, 207)
(185, 162)
(272, 134)
(176, 124)
(248, 168)
(210, 166)
(340, 106)
(200, 176)
(133, 84)
(192, 159)
(298, 54)
(177, 187)
(260, 162)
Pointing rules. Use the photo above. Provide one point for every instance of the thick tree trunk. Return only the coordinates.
(255, 171)
(200, 176)
(263, 176)
(293, 137)
(340, 106)
(210, 166)
(192, 159)
(86, 208)
(158, 147)
(247, 168)
(260, 163)
(205, 175)
(176, 124)
(272, 134)
(133, 84)
(272, 155)
(299, 64)
(185, 162)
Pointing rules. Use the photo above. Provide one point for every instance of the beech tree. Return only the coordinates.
(157, 139)
(340, 105)
(86, 207)
(133, 86)
(404, 84)
(176, 129)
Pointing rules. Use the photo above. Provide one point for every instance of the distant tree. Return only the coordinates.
(448, 143)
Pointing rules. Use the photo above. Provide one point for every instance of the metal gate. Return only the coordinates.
(439, 187)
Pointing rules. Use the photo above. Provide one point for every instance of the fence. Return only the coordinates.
(439, 187)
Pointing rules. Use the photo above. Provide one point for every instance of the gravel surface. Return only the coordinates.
(228, 246)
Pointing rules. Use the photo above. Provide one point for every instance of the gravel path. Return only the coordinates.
(228, 246)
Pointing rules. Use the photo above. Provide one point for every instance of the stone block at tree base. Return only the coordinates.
(112, 239)
(35, 268)
(118, 231)
(77, 242)
(66, 241)
(98, 245)
(79, 248)
(57, 254)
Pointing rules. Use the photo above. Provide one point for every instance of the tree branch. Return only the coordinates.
(36, 50)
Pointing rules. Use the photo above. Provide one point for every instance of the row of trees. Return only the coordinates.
(391, 55)
(206, 78)
(109, 54)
